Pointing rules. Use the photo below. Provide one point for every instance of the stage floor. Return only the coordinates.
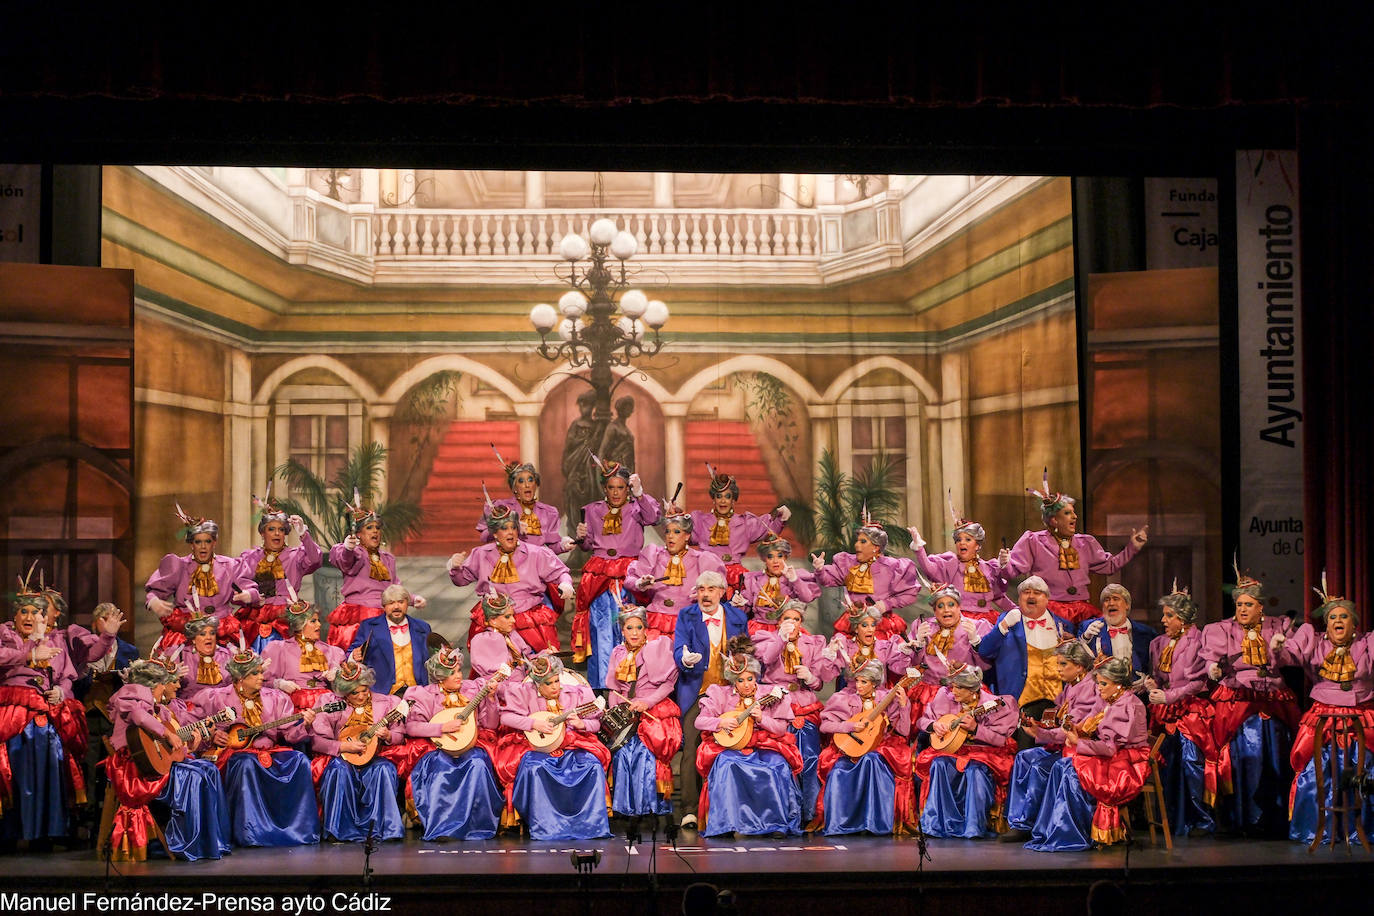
(797, 875)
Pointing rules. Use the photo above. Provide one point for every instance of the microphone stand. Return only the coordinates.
(369, 847)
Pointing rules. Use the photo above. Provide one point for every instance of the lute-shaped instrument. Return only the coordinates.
(369, 734)
(461, 741)
(954, 739)
(872, 724)
(542, 742)
(241, 734)
(738, 735)
(153, 756)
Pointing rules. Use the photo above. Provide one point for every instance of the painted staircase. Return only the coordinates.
(731, 448)
(452, 498)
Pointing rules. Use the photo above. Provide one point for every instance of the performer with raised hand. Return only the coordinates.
(1022, 649)
(538, 522)
(981, 586)
(1078, 701)
(641, 679)
(870, 577)
(667, 575)
(277, 570)
(729, 534)
(1339, 660)
(1063, 558)
(525, 570)
(794, 659)
(1107, 767)
(965, 771)
(198, 827)
(559, 787)
(764, 592)
(867, 788)
(699, 638)
(747, 759)
(1179, 707)
(612, 530)
(935, 643)
(860, 643)
(267, 784)
(1255, 711)
(358, 800)
(454, 788)
(1115, 633)
(367, 571)
(300, 666)
(218, 582)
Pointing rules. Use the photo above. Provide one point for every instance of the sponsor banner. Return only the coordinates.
(20, 200)
(1180, 223)
(1269, 303)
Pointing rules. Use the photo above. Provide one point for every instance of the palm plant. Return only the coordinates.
(828, 526)
(321, 503)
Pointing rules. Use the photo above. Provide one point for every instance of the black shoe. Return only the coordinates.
(1014, 836)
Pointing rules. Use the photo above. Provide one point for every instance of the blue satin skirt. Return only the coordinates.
(1303, 826)
(356, 800)
(199, 825)
(272, 806)
(262, 642)
(605, 636)
(1065, 822)
(859, 796)
(1029, 774)
(752, 794)
(562, 798)
(959, 804)
(1185, 789)
(809, 743)
(634, 781)
(36, 764)
(1260, 774)
(457, 797)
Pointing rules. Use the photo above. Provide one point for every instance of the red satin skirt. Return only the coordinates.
(133, 822)
(344, 620)
(1193, 719)
(1075, 612)
(1113, 781)
(597, 575)
(21, 705)
(511, 748)
(174, 629)
(261, 620)
(1232, 706)
(538, 626)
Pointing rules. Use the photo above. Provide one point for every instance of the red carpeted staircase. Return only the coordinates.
(731, 448)
(452, 498)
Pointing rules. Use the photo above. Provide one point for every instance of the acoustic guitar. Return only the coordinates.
(738, 735)
(872, 724)
(153, 756)
(241, 734)
(554, 738)
(954, 739)
(460, 742)
(369, 735)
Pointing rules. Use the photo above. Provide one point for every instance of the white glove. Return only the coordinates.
(1156, 696)
(1276, 642)
(880, 607)
(917, 542)
(286, 686)
(566, 544)
(817, 561)
(54, 695)
(786, 629)
(159, 606)
(297, 524)
(44, 653)
(923, 631)
(690, 658)
(1214, 671)
(351, 542)
(783, 513)
(644, 582)
(457, 560)
(581, 530)
(1009, 620)
(565, 591)
(804, 674)
(418, 601)
(1003, 557)
(969, 628)
(636, 486)
(1150, 683)
(829, 652)
(789, 573)
(1093, 629)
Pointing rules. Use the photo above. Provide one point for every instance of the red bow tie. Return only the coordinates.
(400, 627)
(1032, 624)
(1117, 631)
(713, 618)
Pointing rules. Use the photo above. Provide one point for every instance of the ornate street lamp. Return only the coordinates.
(596, 330)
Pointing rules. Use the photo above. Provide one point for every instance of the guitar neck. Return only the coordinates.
(186, 731)
(578, 711)
(482, 694)
(277, 723)
(387, 721)
(881, 708)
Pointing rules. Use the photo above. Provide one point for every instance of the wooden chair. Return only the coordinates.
(1346, 807)
(1152, 796)
(107, 813)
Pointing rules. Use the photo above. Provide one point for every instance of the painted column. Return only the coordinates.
(787, 188)
(380, 426)
(534, 190)
(528, 415)
(954, 429)
(238, 453)
(663, 193)
(674, 445)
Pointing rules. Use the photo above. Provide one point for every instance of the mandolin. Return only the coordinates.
(954, 739)
(554, 738)
(872, 724)
(153, 756)
(738, 735)
(461, 741)
(241, 734)
(369, 734)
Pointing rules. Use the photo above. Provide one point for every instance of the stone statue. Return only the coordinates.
(617, 442)
(580, 484)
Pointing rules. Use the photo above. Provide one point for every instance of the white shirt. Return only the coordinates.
(715, 626)
(400, 639)
(1121, 642)
(1041, 637)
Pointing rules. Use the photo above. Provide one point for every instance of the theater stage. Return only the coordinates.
(800, 875)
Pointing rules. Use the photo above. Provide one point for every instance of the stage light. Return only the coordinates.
(584, 863)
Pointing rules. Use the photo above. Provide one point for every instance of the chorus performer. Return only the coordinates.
(642, 678)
